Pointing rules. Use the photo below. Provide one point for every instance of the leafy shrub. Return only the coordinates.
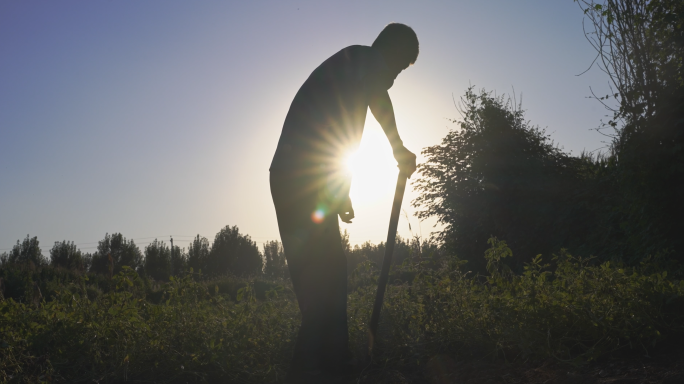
(574, 310)
(497, 175)
(375, 253)
(189, 337)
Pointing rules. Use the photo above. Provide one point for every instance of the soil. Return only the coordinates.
(442, 369)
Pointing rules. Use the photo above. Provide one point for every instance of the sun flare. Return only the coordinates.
(373, 169)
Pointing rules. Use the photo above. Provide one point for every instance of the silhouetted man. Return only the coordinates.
(310, 187)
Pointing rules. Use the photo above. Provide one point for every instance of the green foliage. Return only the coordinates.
(275, 265)
(640, 45)
(66, 255)
(375, 253)
(113, 253)
(499, 176)
(234, 253)
(191, 336)
(576, 311)
(237, 330)
(158, 262)
(24, 283)
(198, 253)
(27, 251)
(179, 261)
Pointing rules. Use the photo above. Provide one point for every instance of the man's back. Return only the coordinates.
(327, 115)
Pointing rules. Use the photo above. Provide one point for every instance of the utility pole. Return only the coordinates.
(171, 247)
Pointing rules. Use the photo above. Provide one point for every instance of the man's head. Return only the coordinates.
(398, 44)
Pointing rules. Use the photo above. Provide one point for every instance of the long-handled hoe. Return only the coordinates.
(387, 261)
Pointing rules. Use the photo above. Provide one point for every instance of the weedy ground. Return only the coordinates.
(572, 320)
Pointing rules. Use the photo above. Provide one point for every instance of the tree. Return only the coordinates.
(275, 265)
(157, 262)
(114, 252)
(198, 254)
(179, 261)
(499, 176)
(640, 46)
(162, 261)
(28, 251)
(87, 259)
(66, 255)
(234, 253)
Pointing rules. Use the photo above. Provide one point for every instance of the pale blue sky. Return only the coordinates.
(158, 118)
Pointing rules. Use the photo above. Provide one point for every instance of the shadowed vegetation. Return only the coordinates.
(190, 329)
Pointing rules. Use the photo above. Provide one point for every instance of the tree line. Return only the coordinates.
(231, 253)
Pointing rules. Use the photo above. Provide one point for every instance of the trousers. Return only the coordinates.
(318, 270)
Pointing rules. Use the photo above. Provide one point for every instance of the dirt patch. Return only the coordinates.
(443, 369)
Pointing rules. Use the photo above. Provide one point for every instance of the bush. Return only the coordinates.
(375, 253)
(500, 176)
(576, 311)
(189, 337)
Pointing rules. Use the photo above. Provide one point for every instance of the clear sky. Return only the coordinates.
(157, 118)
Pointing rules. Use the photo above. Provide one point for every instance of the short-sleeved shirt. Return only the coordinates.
(326, 117)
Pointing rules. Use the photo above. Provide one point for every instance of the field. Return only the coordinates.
(569, 318)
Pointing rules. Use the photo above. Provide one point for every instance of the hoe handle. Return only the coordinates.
(387, 261)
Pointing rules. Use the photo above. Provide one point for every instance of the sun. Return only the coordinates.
(373, 168)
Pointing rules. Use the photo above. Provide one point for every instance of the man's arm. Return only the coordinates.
(381, 107)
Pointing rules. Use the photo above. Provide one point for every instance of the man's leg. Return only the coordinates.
(302, 241)
(318, 271)
(336, 346)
